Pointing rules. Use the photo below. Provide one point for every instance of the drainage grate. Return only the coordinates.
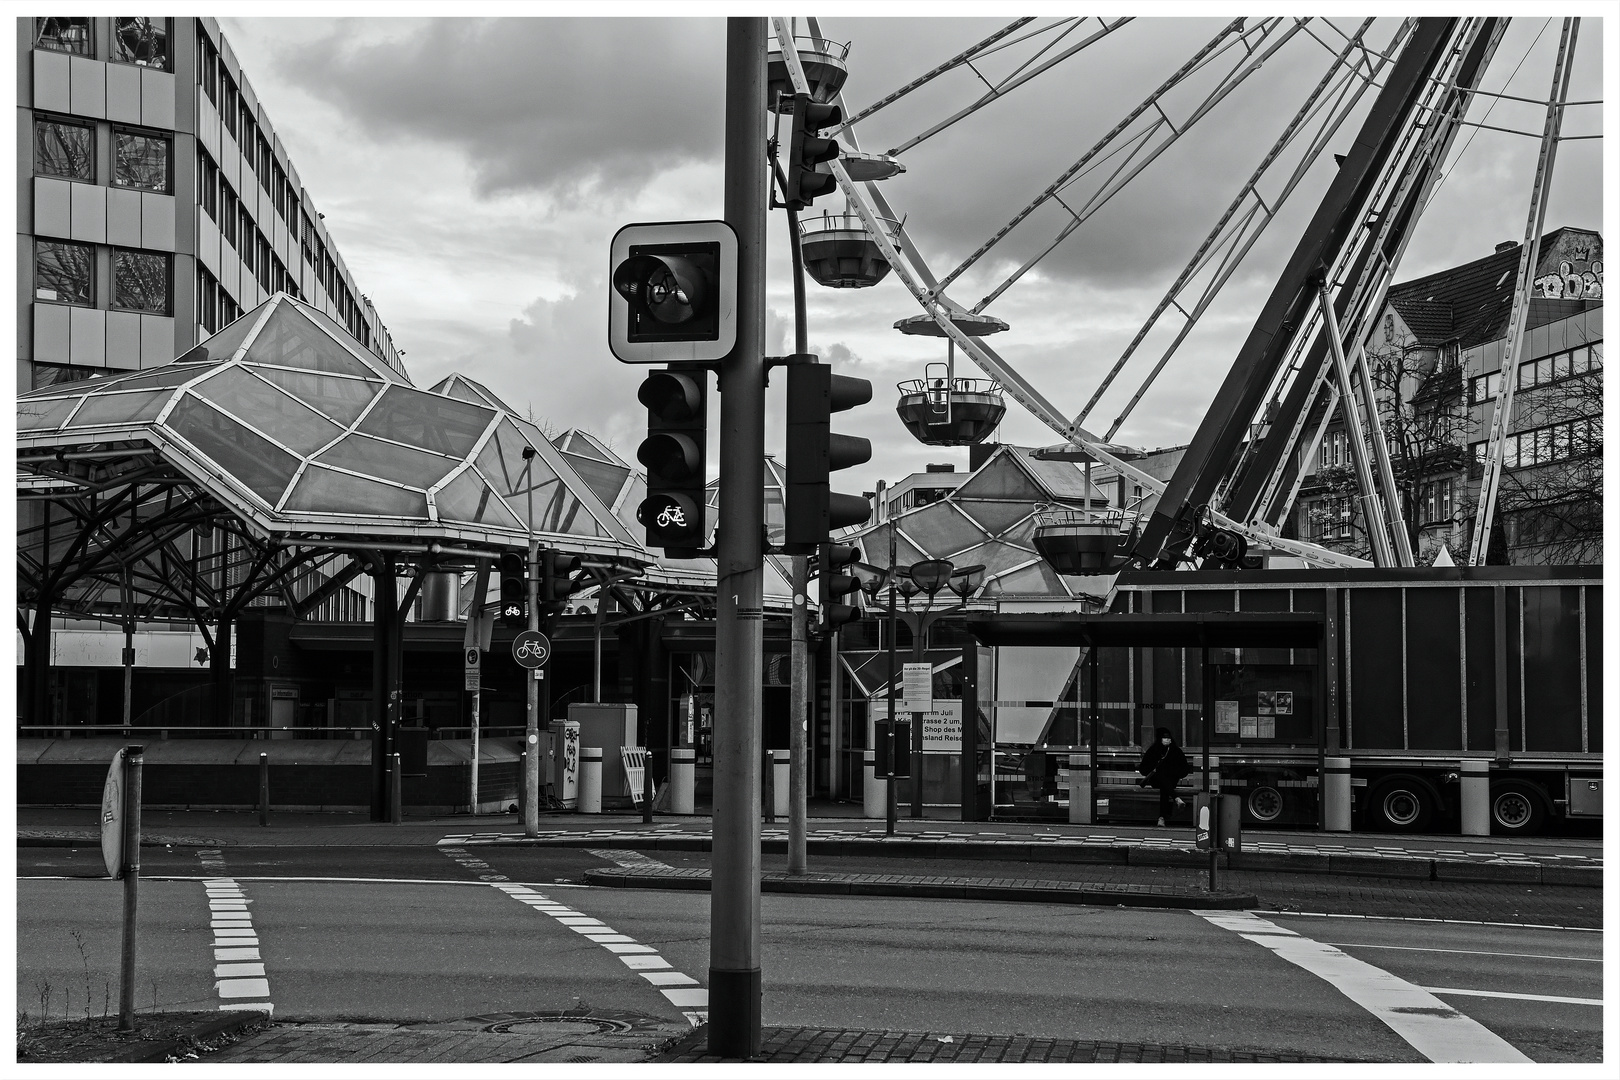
(564, 1023)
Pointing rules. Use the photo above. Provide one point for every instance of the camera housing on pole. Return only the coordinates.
(674, 292)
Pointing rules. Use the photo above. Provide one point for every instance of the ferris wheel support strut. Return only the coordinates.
(1490, 482)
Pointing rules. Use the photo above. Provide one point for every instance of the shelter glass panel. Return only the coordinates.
(941, 529)
(339, 398)
(322, 491)
(223, 345)
(1001, 479)
(119, 408)
(389, 461)
(262, 466)
(427, 420)
(44, 415)
(300, 429)
(501, 461)
(468, 498)
(1036, 580)
(289, 339)
(604, 478)
(166, 377)
(995, 516)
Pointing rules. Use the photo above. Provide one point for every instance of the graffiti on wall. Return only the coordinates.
(1572, 281)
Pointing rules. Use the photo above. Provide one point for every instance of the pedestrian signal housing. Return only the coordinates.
(674, 292)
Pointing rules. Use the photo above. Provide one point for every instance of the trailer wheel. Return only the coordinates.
(1401, 804)
(1516, 809)
(1265, 804)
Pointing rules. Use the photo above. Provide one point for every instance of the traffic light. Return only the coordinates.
(557, 571)
(514, 589)
(836, 587)
(674, 292)
(806, 150)
(812, 510)
(672, 452)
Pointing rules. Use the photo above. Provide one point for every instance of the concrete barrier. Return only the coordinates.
(683, 780)
(590, 779)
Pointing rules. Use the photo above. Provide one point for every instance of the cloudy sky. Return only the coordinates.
(473, 172)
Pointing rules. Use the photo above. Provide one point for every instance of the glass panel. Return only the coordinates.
(995, 516)
(141, 41)
(1544, 446)
(1544, 371)
(291, 340)
(169, 375)
(501, 461)
(1597, 355)
(1561, 366)
(141, 161)
(1037, 580)
(1527, 375)
(1000, 480)
(63, 150)
(999, 558)
(141, 281)
(62, 272)
(120, 408)
(341, 399)
(942, 530)
(260, 465)
(43, 415)
(1579, 360)
(605, 479)
(389, 461)
(47, 376)
(296, 427)
(468, 498)
(63, 35)
(429, 421)
(464, 389)
(322, 491)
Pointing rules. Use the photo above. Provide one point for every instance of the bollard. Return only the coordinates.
(1476, 797)
(396, 800)
(264, 789)
(779, 782)
(590, 779)
(683, 780)
(1336, 794)
(874, 789)
(1079, 790)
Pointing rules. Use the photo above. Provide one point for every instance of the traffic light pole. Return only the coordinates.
(799, 654)
(531, 685)
(734, 941)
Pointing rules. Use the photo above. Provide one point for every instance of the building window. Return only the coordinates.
(208, 68)
(227, 212)
(207, 300)
(65, 150)
(1482, 388)
(245, 233)
(1434, 502)
(141, 41)
(64, 273)
(63, 35)
(141, 281)
(141, 161)
(1335, 450)
(1559, 366)
(45, 375)
(207, 184)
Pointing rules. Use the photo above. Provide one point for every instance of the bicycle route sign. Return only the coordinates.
(531, 649)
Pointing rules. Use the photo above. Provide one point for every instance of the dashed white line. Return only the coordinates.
(1464, 952)
(239, 976)
(1430, 1026)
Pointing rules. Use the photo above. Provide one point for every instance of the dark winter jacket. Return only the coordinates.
(1163, 766)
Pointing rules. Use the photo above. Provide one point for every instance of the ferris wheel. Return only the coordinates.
(1408, 88)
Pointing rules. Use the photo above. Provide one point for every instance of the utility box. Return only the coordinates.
(610, 726)
(1217, 822)
(1585, 796)
(412, 744)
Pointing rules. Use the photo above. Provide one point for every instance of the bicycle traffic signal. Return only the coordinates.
(677, 412)
(557, 584)
(806, 150)
(835, 586)
(812, 509)
(514, 590)
(674, 292)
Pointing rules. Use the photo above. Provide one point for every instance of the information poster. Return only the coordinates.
(1226, 718)
(1268, 727)
(916, 689)
(1249, 727)
(942, 727)
(1266, 702)
(1283, 702)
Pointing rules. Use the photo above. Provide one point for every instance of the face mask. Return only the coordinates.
(1165, 742)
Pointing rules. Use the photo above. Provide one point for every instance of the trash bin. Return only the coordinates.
(682, 780)
(780, 765)
(874, 788)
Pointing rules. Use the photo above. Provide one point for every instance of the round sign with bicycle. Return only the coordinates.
(531, 649)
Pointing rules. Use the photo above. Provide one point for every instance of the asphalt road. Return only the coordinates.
(415, 934)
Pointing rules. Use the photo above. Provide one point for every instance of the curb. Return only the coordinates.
(146, 841)
(229, 1024)
(1030, 892)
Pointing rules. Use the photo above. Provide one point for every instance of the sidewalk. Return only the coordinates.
(1529, 860)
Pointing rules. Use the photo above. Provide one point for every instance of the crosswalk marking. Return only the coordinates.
(239, 976)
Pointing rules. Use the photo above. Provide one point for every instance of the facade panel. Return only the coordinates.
(123, 217)
(124, 93)
(157, 221)
(87, 87)
(53, 207)
(51, 81)
(51, 333)
(89, 213)
(157, 340)
(87, 337)
(157, 98)
(123, 334)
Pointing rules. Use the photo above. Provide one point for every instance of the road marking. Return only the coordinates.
(684, 991)
(1432, 1028)
(629, 860)
(239, 976)
(1465, 952)
(1420, 919)
(1514, 997)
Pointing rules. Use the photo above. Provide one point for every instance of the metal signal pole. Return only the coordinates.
(734, 950)
(531, 685)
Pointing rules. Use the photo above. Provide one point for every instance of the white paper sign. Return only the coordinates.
(1226, 718)
(916, 689)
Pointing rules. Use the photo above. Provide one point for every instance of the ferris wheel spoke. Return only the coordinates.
(952, 64)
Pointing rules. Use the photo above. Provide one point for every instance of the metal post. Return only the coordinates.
(264, 789)
(969, 769)
(1209, 793)
(734, 946)
(893, 673)
(798, 714)
(475, 625)
(1372, 513)
(133, 759)
(835, 720)
(919, 633)
(1096, 718)
(396, 812)
(129, 648)
(531, 684)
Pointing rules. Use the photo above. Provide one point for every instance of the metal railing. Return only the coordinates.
(1108, 519)
(205, 731)
(829, 221)
(953, 386)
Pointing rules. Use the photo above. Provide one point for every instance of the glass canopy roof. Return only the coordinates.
(300, 430)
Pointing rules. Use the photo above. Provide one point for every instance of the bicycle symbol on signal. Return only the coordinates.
(672, 514)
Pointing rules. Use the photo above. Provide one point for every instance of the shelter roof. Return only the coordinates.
(284, 418)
